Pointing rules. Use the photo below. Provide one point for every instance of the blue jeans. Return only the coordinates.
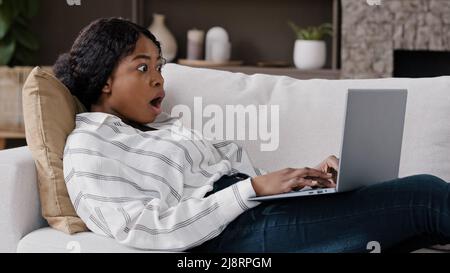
(398, 215)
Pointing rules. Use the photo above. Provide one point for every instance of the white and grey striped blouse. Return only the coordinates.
(146, 189)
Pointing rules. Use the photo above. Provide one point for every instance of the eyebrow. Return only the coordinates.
(144, 56)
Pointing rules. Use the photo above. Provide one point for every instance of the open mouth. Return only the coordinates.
(156, 103)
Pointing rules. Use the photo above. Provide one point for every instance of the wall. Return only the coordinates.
(58, 24)
(370, 34)
(257, 28)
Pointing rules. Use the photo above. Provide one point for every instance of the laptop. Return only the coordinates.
(371, 142)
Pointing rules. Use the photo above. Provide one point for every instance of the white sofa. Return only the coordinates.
(310, 127)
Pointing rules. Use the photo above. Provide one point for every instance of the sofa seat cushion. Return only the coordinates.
(48, 239)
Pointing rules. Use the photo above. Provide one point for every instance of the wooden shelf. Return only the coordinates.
(249, 27)
(8, 134)
(12, 134)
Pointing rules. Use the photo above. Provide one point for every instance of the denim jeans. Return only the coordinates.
(397, 215)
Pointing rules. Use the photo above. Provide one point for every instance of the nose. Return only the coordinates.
(157, 80)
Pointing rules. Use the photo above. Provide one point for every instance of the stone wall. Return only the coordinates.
(371, 33)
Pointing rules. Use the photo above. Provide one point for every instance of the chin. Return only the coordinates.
(150, 119)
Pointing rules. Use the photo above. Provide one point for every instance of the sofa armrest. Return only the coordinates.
(20, 211)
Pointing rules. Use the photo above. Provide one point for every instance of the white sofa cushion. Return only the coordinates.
(19, 199)
(54, 241)
(49, 240)
(312, 113)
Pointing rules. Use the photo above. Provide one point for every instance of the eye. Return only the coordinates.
(159, 67)
(143, 68)
(161, 64)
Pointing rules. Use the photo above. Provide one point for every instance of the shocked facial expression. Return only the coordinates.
(135, 90)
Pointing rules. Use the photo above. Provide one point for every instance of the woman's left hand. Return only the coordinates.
(329, 165)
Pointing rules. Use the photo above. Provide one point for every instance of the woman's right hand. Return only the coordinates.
(289, 179)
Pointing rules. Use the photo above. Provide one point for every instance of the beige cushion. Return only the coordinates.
(49, 115)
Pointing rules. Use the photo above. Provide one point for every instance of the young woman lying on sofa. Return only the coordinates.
(134, 173)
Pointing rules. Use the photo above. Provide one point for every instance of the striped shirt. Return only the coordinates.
(147, 189)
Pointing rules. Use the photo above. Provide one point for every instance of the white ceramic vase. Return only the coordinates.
(168, 42)
(309, 54)
(218, 46)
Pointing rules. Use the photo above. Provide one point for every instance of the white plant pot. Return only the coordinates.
(309, 54)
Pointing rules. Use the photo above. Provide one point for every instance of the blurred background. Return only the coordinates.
(304, 39)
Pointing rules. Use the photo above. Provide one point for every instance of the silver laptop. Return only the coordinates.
(371, 142)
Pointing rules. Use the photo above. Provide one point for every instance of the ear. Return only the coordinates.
(107, 88)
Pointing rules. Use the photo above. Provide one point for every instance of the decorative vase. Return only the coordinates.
(195, 40)
(218, 46)
(164, 36)
(309, 54)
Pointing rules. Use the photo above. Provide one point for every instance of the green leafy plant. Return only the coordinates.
(17, 42)
(312, 32)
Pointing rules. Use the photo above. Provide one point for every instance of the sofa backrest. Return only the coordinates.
(311, 114)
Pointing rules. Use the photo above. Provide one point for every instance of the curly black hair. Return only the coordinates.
(94, 55)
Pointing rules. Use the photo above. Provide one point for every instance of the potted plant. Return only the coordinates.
(17, 43)
(310, 49)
